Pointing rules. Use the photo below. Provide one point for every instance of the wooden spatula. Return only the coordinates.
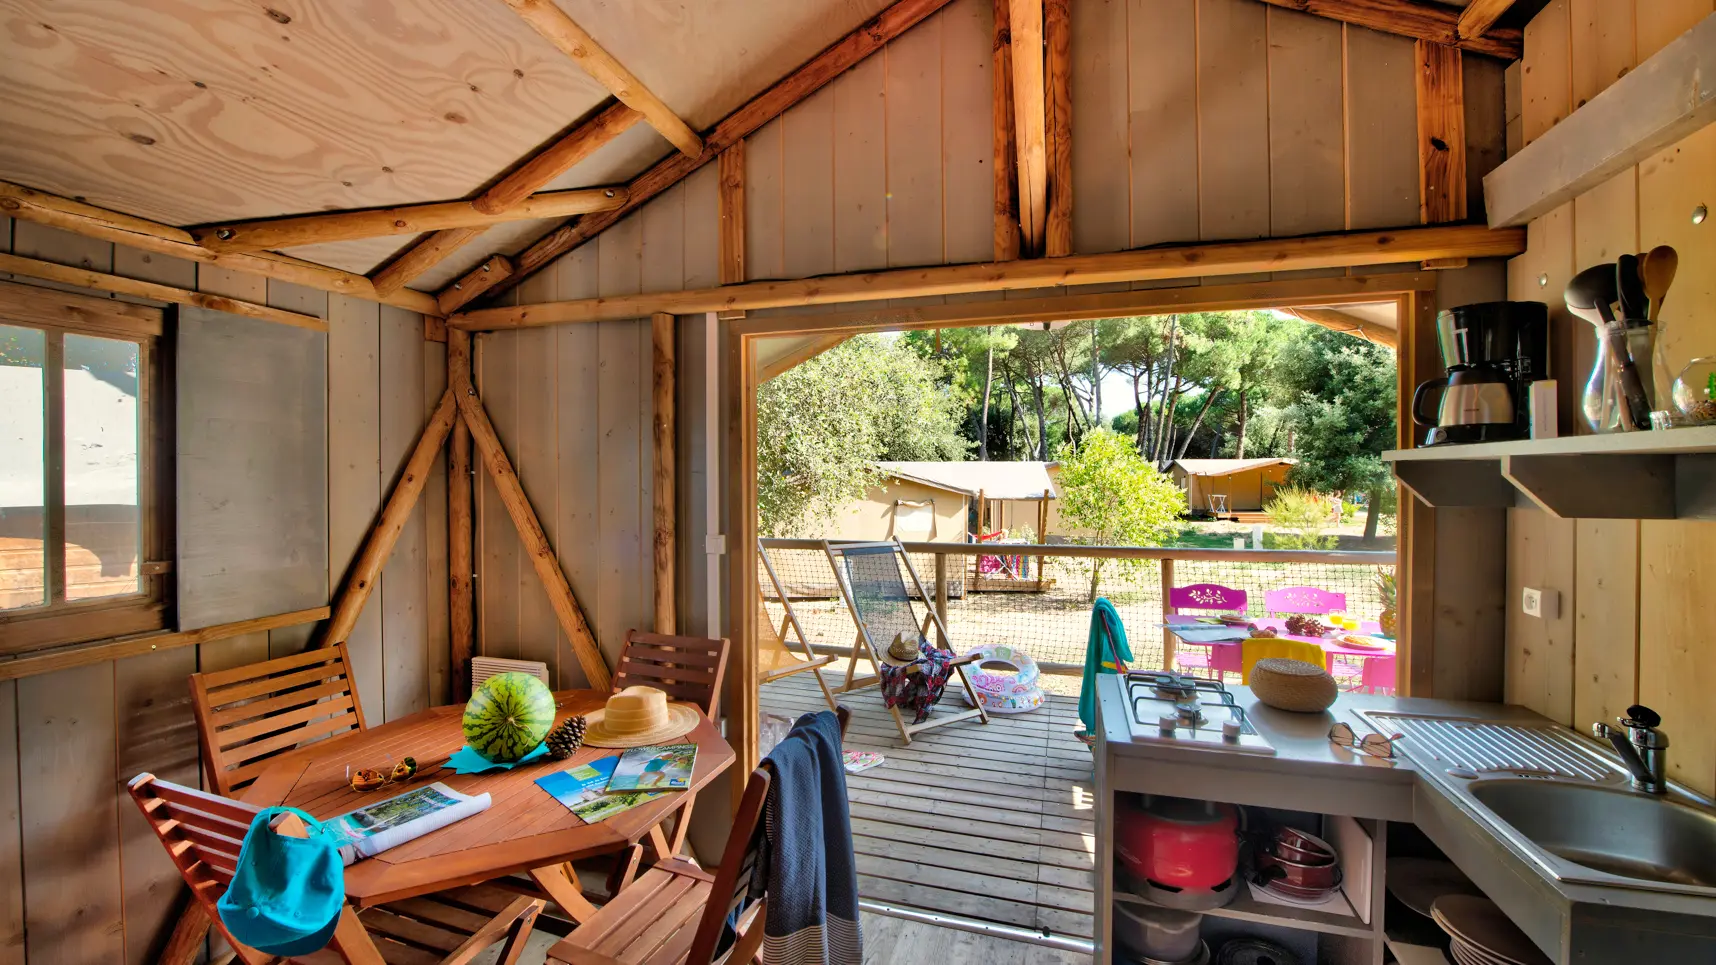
(1658, 267)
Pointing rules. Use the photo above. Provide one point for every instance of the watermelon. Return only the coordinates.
(508, 717)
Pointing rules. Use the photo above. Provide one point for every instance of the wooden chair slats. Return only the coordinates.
(689, 659)
(321, 655)
(249, 714)
(196, 829)
(655, 660)
(663, 671)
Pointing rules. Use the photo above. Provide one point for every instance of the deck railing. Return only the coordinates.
(1037, 597)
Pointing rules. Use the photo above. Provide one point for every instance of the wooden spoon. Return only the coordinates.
(1658, 268)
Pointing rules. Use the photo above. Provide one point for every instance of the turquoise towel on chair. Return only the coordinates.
(1107, 640)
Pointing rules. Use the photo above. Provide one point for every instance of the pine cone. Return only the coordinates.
(564, 741)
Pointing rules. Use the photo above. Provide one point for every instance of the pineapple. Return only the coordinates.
(1390, 619)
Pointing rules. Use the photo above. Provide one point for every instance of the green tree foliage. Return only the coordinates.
(1108, 489)
(1341, 394)
(822, 427)
(1300, 518)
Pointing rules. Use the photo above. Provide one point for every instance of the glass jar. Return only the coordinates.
(1695, 391)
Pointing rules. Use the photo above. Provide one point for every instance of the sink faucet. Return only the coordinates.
(1643, 748)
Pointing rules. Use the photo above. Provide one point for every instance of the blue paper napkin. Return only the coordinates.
(467, 761)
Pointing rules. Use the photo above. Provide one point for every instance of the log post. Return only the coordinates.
(1168, 637)
(941, 597)
(664, 466)
(1006, 172)
(1057, 34)
(461, 566)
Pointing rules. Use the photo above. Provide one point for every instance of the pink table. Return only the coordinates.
(1331, 648)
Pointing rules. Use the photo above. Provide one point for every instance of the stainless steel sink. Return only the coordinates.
(1615, 832)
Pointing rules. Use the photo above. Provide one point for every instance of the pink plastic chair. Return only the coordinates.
(1378, 676)
(1303, 599)
(1216, 658)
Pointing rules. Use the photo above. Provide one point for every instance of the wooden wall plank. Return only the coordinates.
(1540, 656)
(1606, 620)
(663, 230)
(1485, 84)
(73, 910)
(578, 405)
(1602, 45)
(11, 827)
(354, 475)
(1233, 120)
(1677, 673)
(1660, 21)
(1163, 91)
(807, 177)
(499, 550)
(404, 588)
(532, 440)
(1102, 208)
(149, 266)
(438, 632)
(252, 497)
(968, 197)
(702, 228)
(308, 301)
(1540, 275)
(860, 168)
(1307, 166)
(1382, 157)
(1441, 103)
(620, 484)
(764, 203)
(1547, 83)
(912, 119)
(158, 735)
(1671, 185)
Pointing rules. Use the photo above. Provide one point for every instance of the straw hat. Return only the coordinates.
(902, 652)
(637, 716)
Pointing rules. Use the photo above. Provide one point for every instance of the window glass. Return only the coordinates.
(103, 527)
(23, 464)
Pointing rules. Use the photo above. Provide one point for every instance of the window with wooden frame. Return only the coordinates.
(83, 424)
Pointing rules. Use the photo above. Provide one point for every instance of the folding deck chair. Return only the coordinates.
(775, 657)
(868, 575)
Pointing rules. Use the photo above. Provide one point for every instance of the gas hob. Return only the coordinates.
(1171, 708)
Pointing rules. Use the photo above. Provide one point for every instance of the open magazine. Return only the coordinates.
(374, 828)
(660, 767)
(584, 790)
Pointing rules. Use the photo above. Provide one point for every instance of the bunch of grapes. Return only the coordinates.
(1304, 626)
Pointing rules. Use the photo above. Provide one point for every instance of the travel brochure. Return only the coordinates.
(608, 786)
(373, 828)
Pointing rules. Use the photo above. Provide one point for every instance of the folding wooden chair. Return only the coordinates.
(203, 835)
(676, 912)
(247, 715)
(775, 657)
(868, 575)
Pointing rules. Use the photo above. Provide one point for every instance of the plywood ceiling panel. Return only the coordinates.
(191, 111)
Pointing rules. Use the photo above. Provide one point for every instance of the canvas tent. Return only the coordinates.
(1246, 484)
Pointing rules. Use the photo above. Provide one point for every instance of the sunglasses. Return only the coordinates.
(1375, 745)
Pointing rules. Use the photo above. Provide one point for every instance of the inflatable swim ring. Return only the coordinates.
(1011, 687)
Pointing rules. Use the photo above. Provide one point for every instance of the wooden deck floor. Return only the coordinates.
(992, 822)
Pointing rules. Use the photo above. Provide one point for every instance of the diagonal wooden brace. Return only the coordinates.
(531, 535)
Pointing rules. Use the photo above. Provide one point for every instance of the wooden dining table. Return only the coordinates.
(1332, 646)
(524, 829)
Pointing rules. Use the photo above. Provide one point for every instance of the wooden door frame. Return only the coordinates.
(1414, 293)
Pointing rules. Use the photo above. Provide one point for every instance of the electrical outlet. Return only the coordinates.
(1543, 604)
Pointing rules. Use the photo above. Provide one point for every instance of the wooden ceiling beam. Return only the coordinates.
(1030, 120)
(118, 284)
(563, 32)
(496, 269)
(407, 219)
(28, 204)
(536, 172)
(798, 356)
(1179, 261)
(1479, 16)
(870, 37)
(1418, 20)
(1339, 321)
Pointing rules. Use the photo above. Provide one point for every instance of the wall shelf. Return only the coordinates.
(1247, 908)
(1668, 474)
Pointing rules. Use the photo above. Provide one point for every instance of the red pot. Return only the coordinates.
(1177, 842)
(1298, 874)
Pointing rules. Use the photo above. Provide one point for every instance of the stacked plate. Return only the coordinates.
(1480, 934)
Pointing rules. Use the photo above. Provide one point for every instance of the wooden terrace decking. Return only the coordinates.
(993, 822)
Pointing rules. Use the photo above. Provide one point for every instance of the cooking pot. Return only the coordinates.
(1180, 843)
(1298, 874)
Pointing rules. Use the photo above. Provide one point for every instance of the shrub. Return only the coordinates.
(1301, 518)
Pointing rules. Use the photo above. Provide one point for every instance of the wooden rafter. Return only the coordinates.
(730, 205)
(1479, 16)
(534, 173)
(1006, 174)
(1057, 72)
(478, 280)
(562, 31)
(409, 219)
(84, 278)
(28, 204)
(1415, 19)
(535, 541)
(770, 104)
(1025, 22)
(1183, 261)
(461, 561)
(1348, 324)
(1441, 134)
(798, 356)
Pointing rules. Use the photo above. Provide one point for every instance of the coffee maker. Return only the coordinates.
(1493, 351)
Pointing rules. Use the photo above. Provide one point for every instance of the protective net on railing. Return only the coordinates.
(1043, 605)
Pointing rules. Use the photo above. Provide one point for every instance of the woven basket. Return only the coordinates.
(1293, 685)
